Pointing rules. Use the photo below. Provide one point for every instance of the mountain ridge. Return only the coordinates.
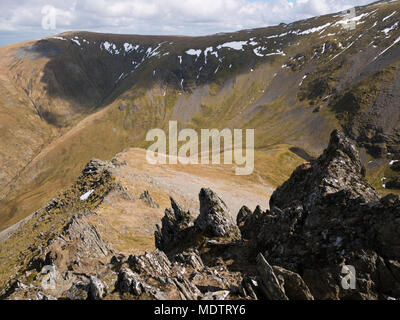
(296, 250)
(295, 96)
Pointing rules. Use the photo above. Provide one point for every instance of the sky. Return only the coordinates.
(30, 19)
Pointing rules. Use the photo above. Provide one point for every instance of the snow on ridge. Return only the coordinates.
(211, 51)
(389, 16)
(110, 47)
(194, 52)
(388, 48)
(300, 33)
(151, 53)
(315, 29)
(130, 47)
(393, 27)
(302, 80)
(355, 19)
(120, 77)
(257, 51)
(235, 45)
(76, 41)
(60, 38)
(277, 53)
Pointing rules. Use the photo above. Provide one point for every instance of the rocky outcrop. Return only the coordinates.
(248, 222)
(179, 227)
(154, 276)
(337, 175)
(215, 220)
(278, 283)
(86, 237)
(393, 183)
(328, 235)
(327, 216)
(294, 286)
(271, 286)
(174, 226)
(395, 165)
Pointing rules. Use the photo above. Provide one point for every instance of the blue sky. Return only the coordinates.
(30, 19)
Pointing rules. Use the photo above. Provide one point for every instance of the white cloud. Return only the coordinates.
(190, 17)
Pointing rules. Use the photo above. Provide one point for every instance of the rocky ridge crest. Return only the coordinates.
(324, 218)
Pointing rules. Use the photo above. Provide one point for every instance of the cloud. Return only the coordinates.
(189, 17)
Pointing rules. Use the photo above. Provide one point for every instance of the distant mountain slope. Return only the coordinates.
(75, 96)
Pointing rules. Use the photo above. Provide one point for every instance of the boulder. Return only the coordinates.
(294, 286)
(215, 220)
(270, 285)
(97, 289)
(173, 226)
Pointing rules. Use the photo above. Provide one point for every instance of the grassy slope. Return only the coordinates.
(109, 131)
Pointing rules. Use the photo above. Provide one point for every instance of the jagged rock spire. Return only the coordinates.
(173, 223)
(337, 175)
(215, 219)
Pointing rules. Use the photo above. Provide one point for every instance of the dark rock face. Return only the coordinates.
(393, 183)
(327, 216)
(294, 286)
(396, 166)
(248, 222)
(173, 226)
(337, 172)
(215, 219)
(270, 285)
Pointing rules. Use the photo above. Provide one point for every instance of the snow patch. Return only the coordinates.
(110, 47)
(388, 48)
(316, 29)
(393, 27)
(86, 195)
(355, 19)
(130, 47)
(235, 45)
(194, 52)
(389, 16)
(302, 80)
(76, 42)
